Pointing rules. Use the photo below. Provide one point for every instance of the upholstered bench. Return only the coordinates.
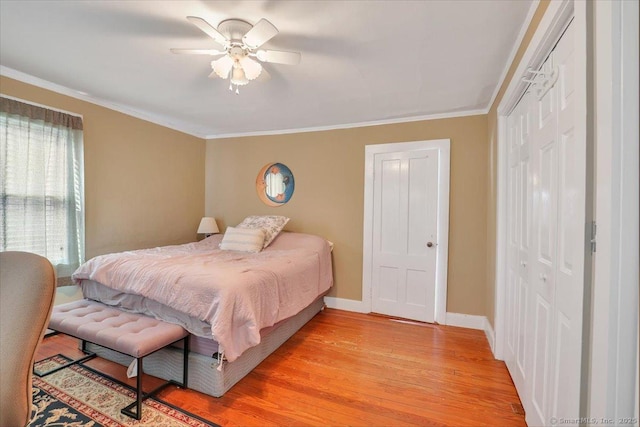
(135, 335)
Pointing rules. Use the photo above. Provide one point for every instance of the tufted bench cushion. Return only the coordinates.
(132, 334)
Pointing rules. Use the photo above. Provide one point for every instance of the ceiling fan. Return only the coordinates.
(240, 44)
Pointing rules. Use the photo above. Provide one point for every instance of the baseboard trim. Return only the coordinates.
(469, 321)
(452, 319)
(491, 336)
(346, 304)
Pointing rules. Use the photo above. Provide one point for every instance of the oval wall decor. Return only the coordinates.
(275, 184)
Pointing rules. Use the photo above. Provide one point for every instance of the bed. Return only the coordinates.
(238, 306)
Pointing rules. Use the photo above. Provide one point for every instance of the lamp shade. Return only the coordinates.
(222, 66)
(208, 226)
(238, 77)
(252, 69)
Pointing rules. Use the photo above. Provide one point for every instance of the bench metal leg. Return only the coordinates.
(139, 390)
(140, 396)
(127, 410)
(89, 355)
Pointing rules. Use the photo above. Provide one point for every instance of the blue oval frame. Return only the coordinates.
(289, 182)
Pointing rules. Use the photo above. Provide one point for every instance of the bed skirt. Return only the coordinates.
(203, 373)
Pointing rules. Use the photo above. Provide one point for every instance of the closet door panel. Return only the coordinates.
(525, 256)
(544, 148)
(571, 239)
(546, 241)
(517, 250)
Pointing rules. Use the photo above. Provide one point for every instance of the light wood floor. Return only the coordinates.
(353, 369)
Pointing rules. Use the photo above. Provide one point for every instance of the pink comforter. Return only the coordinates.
(238, 293)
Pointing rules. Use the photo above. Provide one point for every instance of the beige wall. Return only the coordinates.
(493, 161)
(328, 168)
(144, 186)
(144, 183)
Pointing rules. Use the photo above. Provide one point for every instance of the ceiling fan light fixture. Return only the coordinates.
(222, 66)
(238, 77)
(241, 54)
(252, 69)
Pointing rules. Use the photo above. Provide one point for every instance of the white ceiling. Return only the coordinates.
(362, 61)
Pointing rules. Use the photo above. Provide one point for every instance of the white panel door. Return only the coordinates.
(520, 191)
(405, 208)
(569, 279)
(545, 198)
(557, 278)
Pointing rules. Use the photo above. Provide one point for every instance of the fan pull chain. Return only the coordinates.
(231, 86)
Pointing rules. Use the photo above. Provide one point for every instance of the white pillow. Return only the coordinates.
(242, 239)
(272, 225)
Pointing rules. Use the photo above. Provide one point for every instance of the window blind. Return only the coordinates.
(42, 200)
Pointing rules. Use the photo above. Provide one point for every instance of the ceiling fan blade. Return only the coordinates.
(213, 75)
(262, 32)
(198, 51)
(208, 29)
(279, 57)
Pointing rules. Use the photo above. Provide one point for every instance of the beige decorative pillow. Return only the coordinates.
(272, 225)
(242, 239)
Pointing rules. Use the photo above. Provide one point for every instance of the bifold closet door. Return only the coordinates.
(545, 273)
(566, 279)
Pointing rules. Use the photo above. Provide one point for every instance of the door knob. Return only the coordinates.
(429, 244)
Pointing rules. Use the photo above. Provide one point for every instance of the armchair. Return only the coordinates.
(27, 291)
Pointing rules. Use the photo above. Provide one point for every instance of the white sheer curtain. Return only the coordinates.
(42, 200)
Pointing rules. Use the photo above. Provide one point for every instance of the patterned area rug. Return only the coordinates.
(80, 396)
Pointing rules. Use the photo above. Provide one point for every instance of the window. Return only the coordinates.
(42, 199)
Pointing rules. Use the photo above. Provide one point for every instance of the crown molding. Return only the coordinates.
(181, 127)
(354, 125)
(63, 90)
